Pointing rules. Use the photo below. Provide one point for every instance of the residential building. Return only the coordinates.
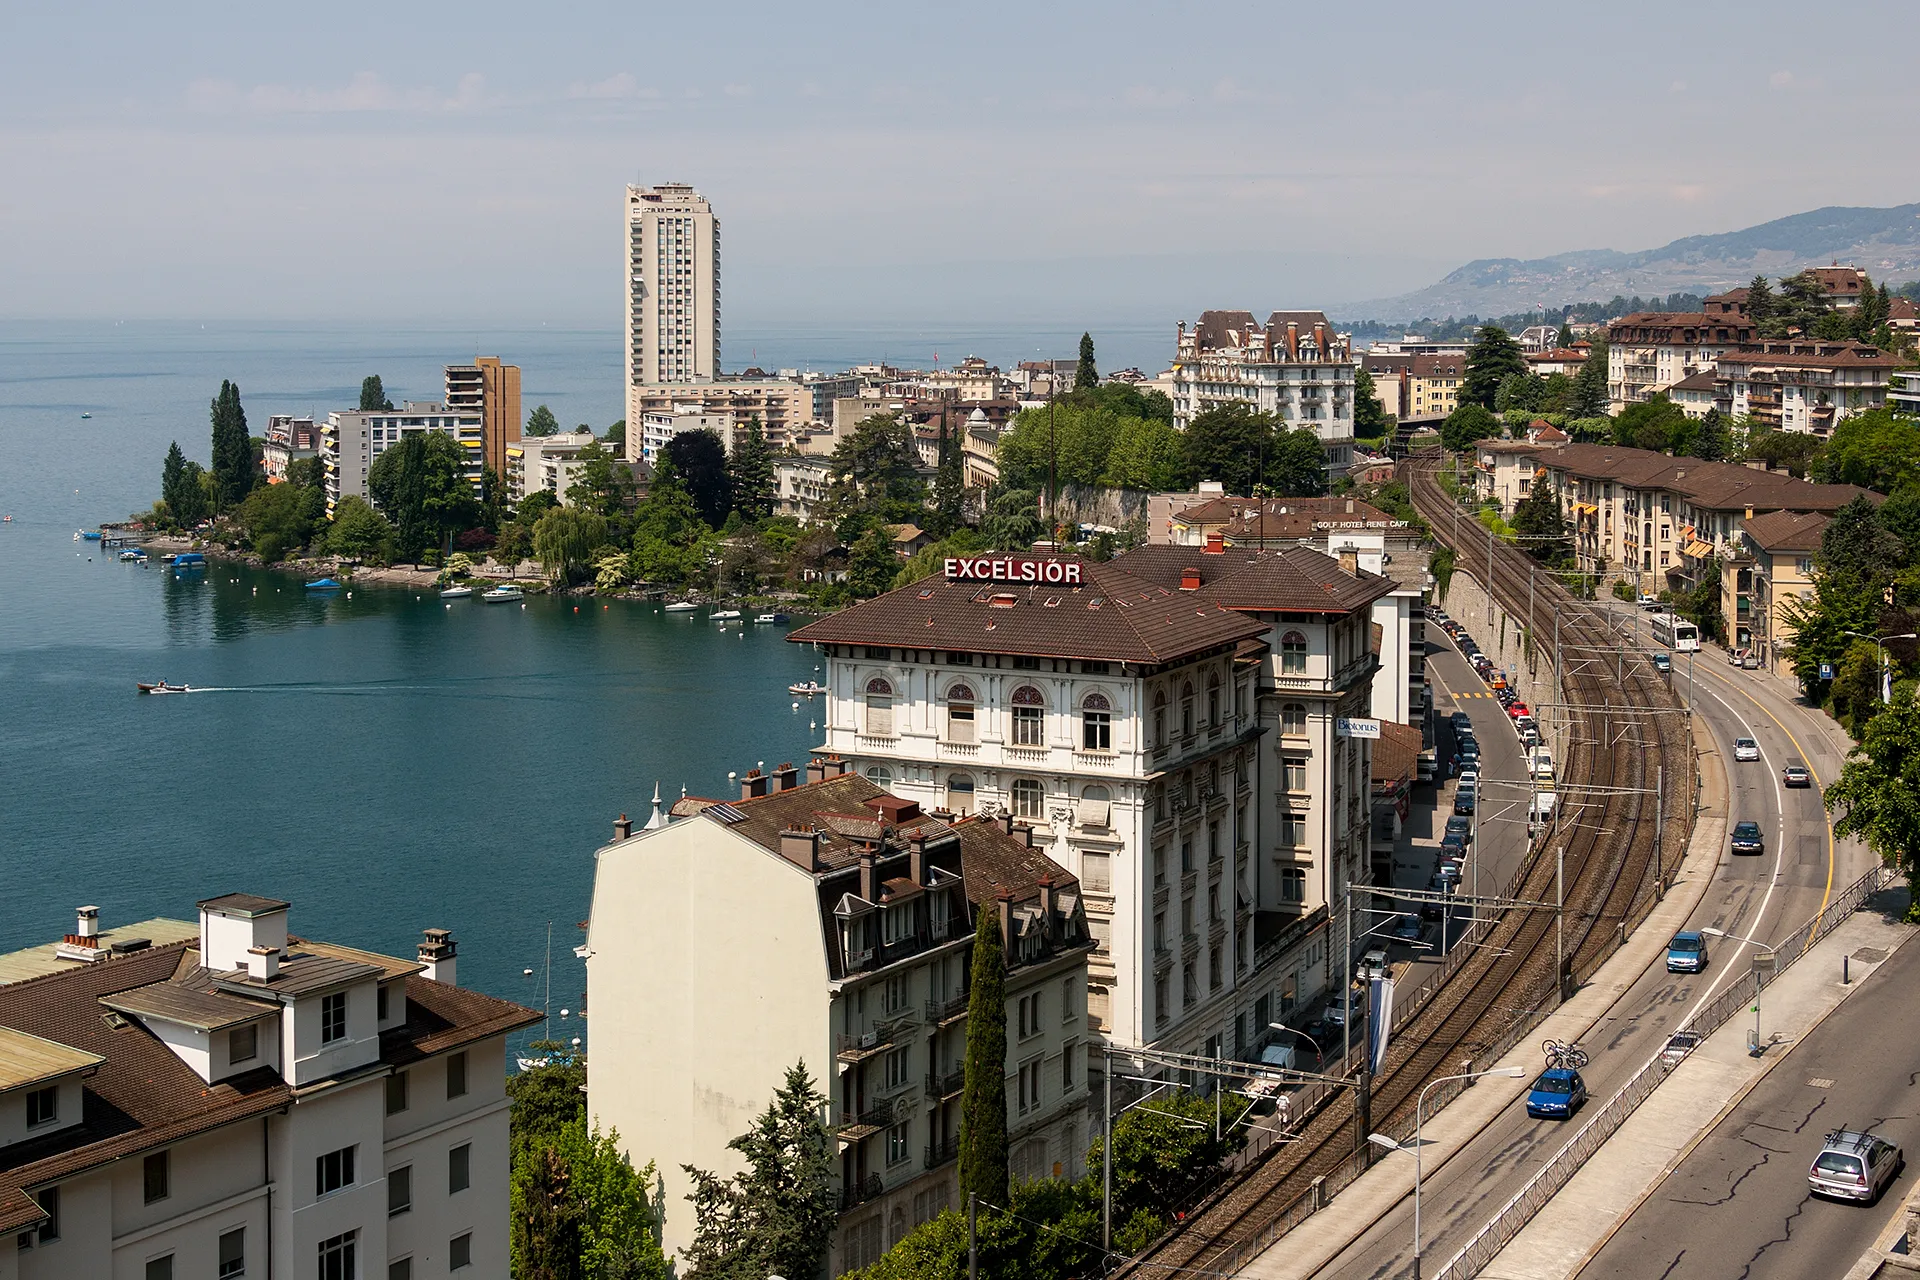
(1697, 393)
(800, 484)
(1392, 381)
(657, 429)
(1804, 385)
(227, 1099)
(1903, 391)
(1038, 379)
(1395, 770)
(1564, 360)
(1504, 470)
(830, 923)
(1649, 351)
(673, 288)
(1433, 385)
(826, 388)
(353, 439)
(1166, 721)
(1841, 285)
(1903, 314)
(1295, 367)
(549, 463)
(492, 390)
(1771, 563)
(288, 440)
(783, 406)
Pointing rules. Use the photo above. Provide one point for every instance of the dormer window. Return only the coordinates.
(898, 923)
(43, 1106)
(333, 1017)
(243, 1043)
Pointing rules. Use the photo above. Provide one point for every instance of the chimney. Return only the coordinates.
(1006, 920)
(437, 954)
(1006, 823)
(1349, 562)
(816, 770)
(88, 925)
(1349, 506)
(622, 828)
(869, 889)
(1025, 832)
(263, 963)
(1189, 579)
(839, 768)
(786, 777)
(1046, 898)
(754, 785)
(800, 846)
(917, 858)
(1216, 543)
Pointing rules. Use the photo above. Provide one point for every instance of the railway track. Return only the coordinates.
(1617, 734)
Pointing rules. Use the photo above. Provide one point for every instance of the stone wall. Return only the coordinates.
(1501, 637)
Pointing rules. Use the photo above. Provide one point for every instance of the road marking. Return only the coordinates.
(1819, 1082)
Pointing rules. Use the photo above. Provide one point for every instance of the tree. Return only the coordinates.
(1656, 423)
(1490, 360)
(1085, 376)
(565, 540)
(1012, 520)
(541, 422)
(358, 532)
(514, 546)
(604, 486)
(1802, 300)
(418, 484)
(1470, 423)
(533, 506)
(546, 1098)
(873, 471)
(750, 473)
(776, 1216)
(373, 396)
(1068, 441)
(1147, 454)
(1556, 393)
(545, 1240)
(233, 470)
(619, 1228)
(616, 436)
(701, 459)
(1877, 450)
(1795, 451)
(1370, 420)
(1564, 339)
(667, 530)
(1161, 1151)
(1878, 793)
(871, 562)
(1538, 519)
(983, 1099)
(182, 489)
(1297, 467)
(1590, 396)
(280, 518)
(1526, 392)
(949, 485)
(1760, 304)
(1230, 443)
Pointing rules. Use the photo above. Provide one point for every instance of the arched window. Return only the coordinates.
(1160, 718)
(879, 775)
(1029, 799)
(1293, 653)
(960, 792)
(1186, 710)
(1096, 792)
(1293, 718)
(1096, 723)
(1213, 701)
(960, 702)
(879, 708)
(1029, 717)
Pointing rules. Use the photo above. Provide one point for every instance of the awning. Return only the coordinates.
(1698, 550)
(1586, 508)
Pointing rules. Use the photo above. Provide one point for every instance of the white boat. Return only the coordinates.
(775, 618)
(501, 593)
(807, 687)
(456, 593)
(679, 606)
(725, 615)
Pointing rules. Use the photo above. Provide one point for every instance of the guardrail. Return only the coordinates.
(1739, 995)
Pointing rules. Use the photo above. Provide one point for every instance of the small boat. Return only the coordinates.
(135, 556)
(456, 593)
(323, 584)
(86, 415)
(807, 687)
(679, 606)
(87, 535)
(503, 593)
(189, 560)
(725, 615)
(775, 618)
(163, 687)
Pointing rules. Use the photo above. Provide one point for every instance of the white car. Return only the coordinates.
(1746, 749)
(1647, 602)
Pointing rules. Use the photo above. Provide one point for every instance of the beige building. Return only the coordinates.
(228, 1100)
(352, 440)
(1295, 367)
(492, 390)
(1504, 470)
(673, 287)
(1770, 564)
(1650, 351)
(550, 463)
(288, 440)
(830, 923)
(783, 405)
(1433, 384)
(1804, 385)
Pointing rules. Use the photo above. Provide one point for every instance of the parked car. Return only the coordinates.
(1530, 736)
(1750, 660)
(1663, 663)
(1646, 601)
(1463, 826)
(1736, 657)
(1525, 722)
(1461, 722)
(1796, 775)
(1557, 1094)
(1746, 749)
(1463, 800)
(1855, 1166)
(1687, 953)
(1540, 764)
(1747, 838)
(1519, 709)
(1453, 845)
(1507, 697)
(1372, 965)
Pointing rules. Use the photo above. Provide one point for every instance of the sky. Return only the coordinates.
(1139, 162)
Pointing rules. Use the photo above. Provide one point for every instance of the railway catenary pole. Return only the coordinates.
(1560, 920)
(1659, 831)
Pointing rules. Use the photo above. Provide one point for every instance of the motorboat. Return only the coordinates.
(133, 556)
(323, 584)
(725, 615)
(87, 535)
(775, 618)
(163, 687)
(86, 415)
(503, 593)
(456, 593)
(807, 688)
(679, 606)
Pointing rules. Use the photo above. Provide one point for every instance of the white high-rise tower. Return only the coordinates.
(673, 288)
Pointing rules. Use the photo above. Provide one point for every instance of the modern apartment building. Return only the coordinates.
(657, 429)
(783, 405)
(830, 923)
(1770, 563)
(1903, 392)
(353, 439)
(550, 463)
(230, 1100)
(673, 286)
(1650, 351)
(1295, 367)
(1167, 723)
(288, 440)
(492, 390)
(1803, 384)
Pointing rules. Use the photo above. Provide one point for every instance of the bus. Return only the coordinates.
(1670, 632)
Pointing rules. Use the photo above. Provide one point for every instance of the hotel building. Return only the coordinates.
(1296, 368)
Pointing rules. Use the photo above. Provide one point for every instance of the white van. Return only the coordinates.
(1541, 807)
(1540, 764)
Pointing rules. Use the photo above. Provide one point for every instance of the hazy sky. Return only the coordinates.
(435, 162)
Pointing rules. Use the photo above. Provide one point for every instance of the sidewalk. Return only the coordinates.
(1305, 1250)
(1686, 1107)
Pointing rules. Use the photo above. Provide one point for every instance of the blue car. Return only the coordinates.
(1687, 953)
(1556, 1095)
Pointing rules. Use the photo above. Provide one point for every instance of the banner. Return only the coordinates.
(1379, 1023)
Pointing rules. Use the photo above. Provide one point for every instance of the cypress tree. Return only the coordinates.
(1590, 399)
(173, 474)
(1085, 376)
(949, 485)
(1760, 304)
(233, 469)
(983, 1100)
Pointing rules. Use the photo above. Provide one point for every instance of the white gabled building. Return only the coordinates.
(1295, 367)
(239, 1102)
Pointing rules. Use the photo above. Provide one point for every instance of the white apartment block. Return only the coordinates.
(1649, 351)
(1804, 384)
(783, 406)
(549, 463)
(658, 428)
(1168, 727)
(673, 286)
(800, 482)
(830, 923)
(1296, 368)
(353, 439)
(229, 1101)
(1903, 392)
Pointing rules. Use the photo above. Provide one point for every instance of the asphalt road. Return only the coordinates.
(1738, 1206)
(1757, 900)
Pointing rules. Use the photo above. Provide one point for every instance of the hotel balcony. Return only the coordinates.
(939, 1153)
(942, 1085)
(942, 1013)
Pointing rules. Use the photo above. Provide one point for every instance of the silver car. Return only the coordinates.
(1855, 1166)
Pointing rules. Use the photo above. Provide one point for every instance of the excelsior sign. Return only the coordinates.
(1064, 573)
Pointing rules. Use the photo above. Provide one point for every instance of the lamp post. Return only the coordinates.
(1886, 672)
(1413, 1148)
(1281, 1026)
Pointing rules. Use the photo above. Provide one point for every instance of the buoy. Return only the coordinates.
(576, 608)
(349, 595)
(447, 606)
(796, 706)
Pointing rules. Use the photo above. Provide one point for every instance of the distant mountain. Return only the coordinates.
(1884, 242)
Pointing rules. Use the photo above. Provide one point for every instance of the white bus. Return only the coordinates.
(1670, 632)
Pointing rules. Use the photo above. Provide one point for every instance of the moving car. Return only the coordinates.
(1796, 775)
(1746, 749)
(1687, 953)
(1747, 838)
(1408, 928)
(1557, 1094)
(1646, 601)
(1855, 1166)
(1540, 764)
(1663, 663)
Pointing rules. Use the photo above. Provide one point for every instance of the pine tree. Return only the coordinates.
(1565, 339)
(983, 1101)
(1590, 397)
(1760, 304)
(750, 473)
(949, 486)
(777, 1216)
(173, 474)
(233, 469)
(1490, 360)
(541, 422)
(373, 396)
(1085, 376)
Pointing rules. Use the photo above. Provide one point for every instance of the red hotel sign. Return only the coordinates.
(1064, 573)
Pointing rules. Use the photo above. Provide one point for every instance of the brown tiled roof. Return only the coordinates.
(1396, 753)
(1550, 435)
(1839, 281)
(442, 1017)
(1809, 355)
(1787, 530)
(1112, 616)
(1719, 485)
(835, 807)
(1681, 327)
(994, 862)
(187, 1005)
(17, 1208)
(1282, 580)
(1705, 380)
(1902, 308)
(1436, 365)
(1211, 329)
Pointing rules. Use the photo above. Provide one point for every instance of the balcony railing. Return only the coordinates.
(944, 1084)
(868, 1188)
(940, 1012)
(861, 1047)
(939, 1153)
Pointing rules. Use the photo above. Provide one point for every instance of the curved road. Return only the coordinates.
(1755, 899)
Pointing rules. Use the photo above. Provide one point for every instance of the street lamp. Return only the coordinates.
(1886, 673)
(1413, 1148)
(1281, 1026)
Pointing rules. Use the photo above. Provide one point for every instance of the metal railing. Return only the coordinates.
(1739, 994)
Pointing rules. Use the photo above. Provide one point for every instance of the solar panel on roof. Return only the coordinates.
(725, 813)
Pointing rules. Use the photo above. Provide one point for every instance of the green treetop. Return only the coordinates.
(750, 473)
(1490, 360)
(233, 469)
(373, 396)
(983, 1100)
(541, 422)
(1085, 376)
(777, 1215)
(1877, 795)
(1370, 420)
